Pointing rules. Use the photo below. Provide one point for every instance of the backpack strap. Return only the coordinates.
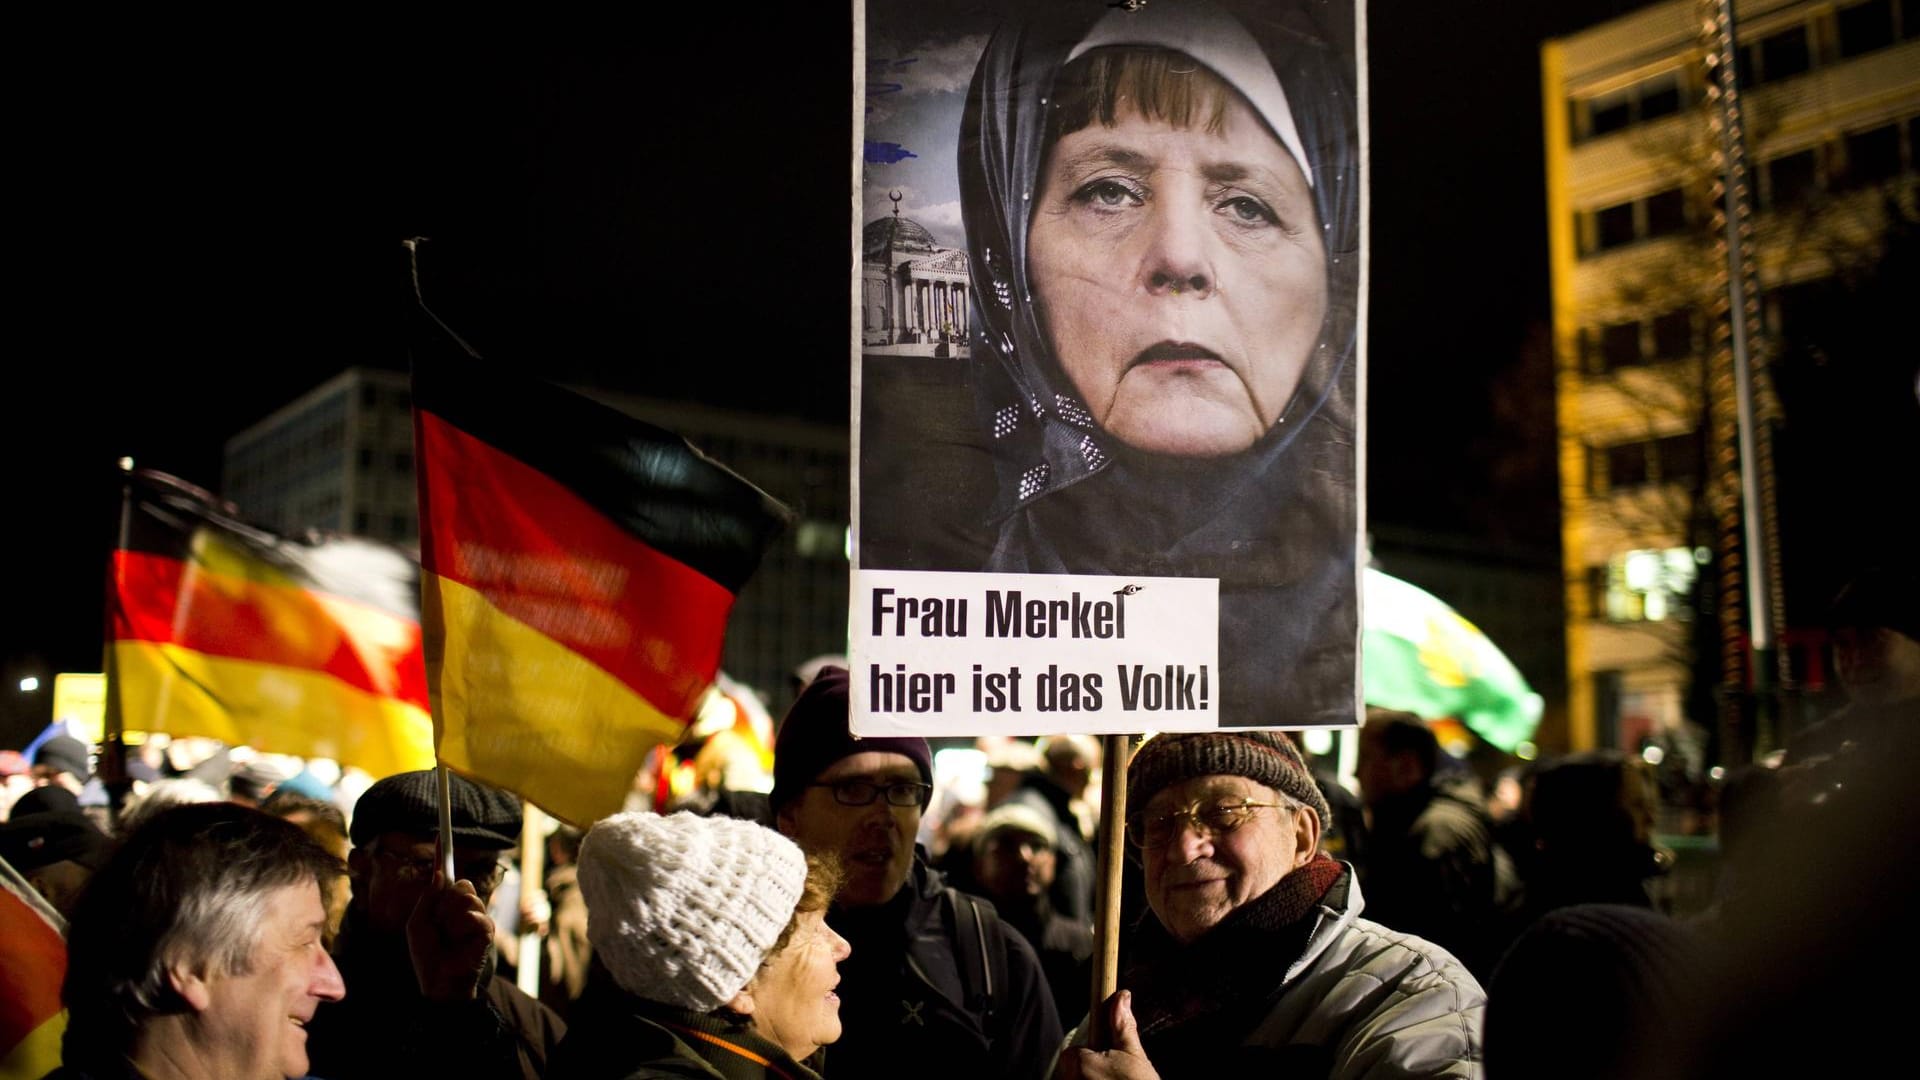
(980, 946)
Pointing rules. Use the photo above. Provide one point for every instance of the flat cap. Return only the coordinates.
(483, 817)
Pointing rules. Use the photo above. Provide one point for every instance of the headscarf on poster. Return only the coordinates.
(1151, 403)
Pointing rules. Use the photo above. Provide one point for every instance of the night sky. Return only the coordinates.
(202, 231)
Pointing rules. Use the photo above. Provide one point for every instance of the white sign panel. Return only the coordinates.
(1039, 654)
(1107, 314)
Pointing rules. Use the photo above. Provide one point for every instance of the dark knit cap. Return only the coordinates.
(64, 753)
(31, 841)
(1264, 757)
(1886, 597)
(47, 799)
(483, 817)
(814, 736)
(1622, 983)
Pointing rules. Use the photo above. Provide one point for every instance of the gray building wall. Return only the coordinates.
(340, 458)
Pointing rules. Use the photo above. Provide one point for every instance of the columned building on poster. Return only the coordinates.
(915, 294)
(1830, 90)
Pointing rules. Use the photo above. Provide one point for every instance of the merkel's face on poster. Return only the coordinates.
(1181, 277)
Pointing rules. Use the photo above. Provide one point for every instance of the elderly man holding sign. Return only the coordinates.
(1256, 961)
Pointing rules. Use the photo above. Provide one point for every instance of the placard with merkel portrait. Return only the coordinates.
(1106, 383)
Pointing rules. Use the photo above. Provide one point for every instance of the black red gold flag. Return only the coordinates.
(297, 646)
(578, 567)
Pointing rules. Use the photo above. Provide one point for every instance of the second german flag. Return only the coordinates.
(578, 567)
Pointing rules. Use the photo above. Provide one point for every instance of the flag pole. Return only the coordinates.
(1106, 901)
(446, 818)
(113, 742)
(533, 872)
(412, 244)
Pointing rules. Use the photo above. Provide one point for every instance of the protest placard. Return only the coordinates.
(1108, 366)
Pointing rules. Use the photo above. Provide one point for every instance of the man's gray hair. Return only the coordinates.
(188, 889)
(163, 795)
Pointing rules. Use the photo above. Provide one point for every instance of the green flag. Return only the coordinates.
(1420, 655)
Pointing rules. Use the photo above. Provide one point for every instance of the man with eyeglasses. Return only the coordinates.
(936, 986)
(416, 952)
(1256, 962)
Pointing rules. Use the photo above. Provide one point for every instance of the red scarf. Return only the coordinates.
(1237, 963)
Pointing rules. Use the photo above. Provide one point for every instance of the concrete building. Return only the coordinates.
(340, 458)
(1831, 91)
(795, 606)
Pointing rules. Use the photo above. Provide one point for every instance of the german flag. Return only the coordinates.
(222, 629)
(32, 967)
(578, 570)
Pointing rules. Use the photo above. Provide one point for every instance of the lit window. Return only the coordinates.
(1646, 586)
(821, 539)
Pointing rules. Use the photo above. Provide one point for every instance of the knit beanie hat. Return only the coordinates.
(1622, 983)
(31, 841)
(814, 736)
(50, 799)
(683, 909)
(1886, 597)
(64, 753)
(1018, 817)
(1265, 757)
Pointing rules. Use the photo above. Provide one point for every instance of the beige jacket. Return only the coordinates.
(1387, 1005)
(1359, 1002)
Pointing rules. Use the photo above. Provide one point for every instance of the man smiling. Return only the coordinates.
(936, 986)
(1256, 962)
(197, 951)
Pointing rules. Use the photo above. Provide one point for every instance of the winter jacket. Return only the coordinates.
(1433, 869)
(1334, 996)
(1065, 948)
(563, 977)
(383, 1027)
(1072, 890)
(617, 1036)
(908, 1006)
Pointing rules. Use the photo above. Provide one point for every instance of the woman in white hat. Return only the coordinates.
(713, 957)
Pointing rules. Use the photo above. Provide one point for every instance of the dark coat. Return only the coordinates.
(1065, 948)
(1072, 892)
(1433, 870)
(617, 1036)
(385, 1028)
(905, 1009)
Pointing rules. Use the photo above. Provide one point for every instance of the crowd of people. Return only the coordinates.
(257, 925)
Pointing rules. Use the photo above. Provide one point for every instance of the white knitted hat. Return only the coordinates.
(683, 909)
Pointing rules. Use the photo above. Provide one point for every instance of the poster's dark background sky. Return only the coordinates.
(206, 223)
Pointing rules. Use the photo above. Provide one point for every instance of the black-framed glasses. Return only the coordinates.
(863, 792)
(416, 868)
(1210, 820)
